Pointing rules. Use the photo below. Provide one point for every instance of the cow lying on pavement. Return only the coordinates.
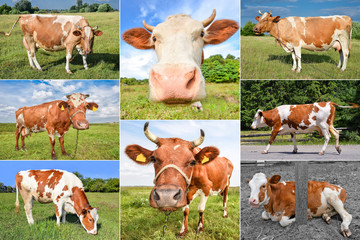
(54, 33)
(302, 118)
(278, 198)
(54, 117)
(184, 172)
(310, 33)
(62, 188)
(178, 43)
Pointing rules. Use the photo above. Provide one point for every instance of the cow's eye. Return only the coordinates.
(90, 220)
(202, 34)
(152, 158)
(154, 38)
(263, 186)
(192, 163)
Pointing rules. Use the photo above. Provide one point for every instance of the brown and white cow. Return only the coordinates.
(278, 198)
(310, 33)
(54, 117)
(183, 172)
(62, 188)
(55, 33)
(302, 118)
(178, 43)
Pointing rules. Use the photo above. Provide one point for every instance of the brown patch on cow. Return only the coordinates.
(80, 200)
(322, 104)
(18, 181)
(57, 210)
(43, 179)
(65, 188)
(314, 118)
(271, 117)
(138, 38)
(48, 194)
(331, 118)
(316, 109)
(299, 115)
(58, 197)
(220, 31)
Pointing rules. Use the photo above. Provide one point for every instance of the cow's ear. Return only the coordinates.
(220, 31)
(92, 106)
(260, 113)
(257, 18)
(276, 19)
(138, 38)
(274, 179)
(77, 33)
(207, 154)
(62, 105)
(138, 154)
(98, 33)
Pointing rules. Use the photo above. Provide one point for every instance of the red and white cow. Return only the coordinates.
(278, 198)
(302, 118)
(54, 117)
(178, 43)
(310, 33)
(62, 188)
(183, 172)
(55, 33)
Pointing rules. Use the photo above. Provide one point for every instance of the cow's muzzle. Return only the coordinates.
(253, 127)
(256, 31)
(167, 198)
(253, 202)
(81, 124)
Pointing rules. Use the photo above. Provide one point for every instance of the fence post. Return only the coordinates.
(301, 192)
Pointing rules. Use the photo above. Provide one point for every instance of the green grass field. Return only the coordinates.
(99, 142)
(140, 221)
(17, 227)
(222, 102)
(261, 58)
(103, 63)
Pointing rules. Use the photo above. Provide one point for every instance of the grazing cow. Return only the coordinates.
(178, 43)
(54, 33)
(310, 33)
(302, 118)
(53, 118)
(183, 172)
(62, 188)
(278, 198)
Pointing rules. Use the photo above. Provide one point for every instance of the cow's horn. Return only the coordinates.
(96, 27)
(79, 27)
(207, 21)
(200, 140)
(148, 27)
(68, 96)
(152, 137)
(87, 95)
(261, 13)
(270, 13)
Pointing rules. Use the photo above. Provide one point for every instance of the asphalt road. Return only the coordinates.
(305, 152)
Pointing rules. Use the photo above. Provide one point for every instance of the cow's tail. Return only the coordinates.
(17, 200)
(354, 105)
(8, 34)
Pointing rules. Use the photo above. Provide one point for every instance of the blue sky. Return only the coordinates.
(137, 63)
(64, 4)
(15, 94)
(222, 134)
(92, 169)
(300, 8)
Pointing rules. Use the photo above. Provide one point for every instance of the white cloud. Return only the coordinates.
(41, 94)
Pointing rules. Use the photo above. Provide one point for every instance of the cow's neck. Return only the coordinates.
(276, 33)
(80, 200)
(271, 117)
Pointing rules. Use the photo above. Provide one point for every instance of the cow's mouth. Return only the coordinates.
(168, 209)
(257, 33)
(254, 205)
(176, 101)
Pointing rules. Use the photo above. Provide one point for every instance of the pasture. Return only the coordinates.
(99, 142)
(222, 102)
(17, 227)
(140, 221)
(103, 63)
(344, 174)
(262, 58)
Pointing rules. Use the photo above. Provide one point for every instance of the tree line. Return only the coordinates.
(90, 184)
(214, 69)
(247, 30)
(267, 94)
(25, 7)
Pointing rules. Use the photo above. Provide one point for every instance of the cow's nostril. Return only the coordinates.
(177, 196)
(156, 196)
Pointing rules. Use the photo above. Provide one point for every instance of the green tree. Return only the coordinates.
(14, 11)
(112, 185)
(355, 30)
(247, 30)
(23, 5)
(5, 9)
(79, 175)
(79, 4)
(96, 185)
(105, 7)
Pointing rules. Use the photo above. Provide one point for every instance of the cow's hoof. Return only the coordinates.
(346, 233)
(54, 158)
(294, 151)
(182, 234)
(86, 68)
(321, 153)
(65, 154)
(40, 70)
(299, 70)
(69, 72)
(342, 70)
(338, 150)
(264, 152)
(17, 149)
(293, 69)
(24, 148)
(199, 230)
(225, 216)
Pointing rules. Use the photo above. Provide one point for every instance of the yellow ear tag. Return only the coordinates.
(94, 109)
(62, 108)
(141, 158)
(205, 159)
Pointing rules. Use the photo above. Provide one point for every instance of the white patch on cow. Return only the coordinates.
(283, 182)
(87, 31)
(177, 146)
(284, 111)
(65, 34)
(75, 98)
(203, 200)
(258, 180)
(214, 193)
(285, 221)
(20, 119)
(51, 136)
(292, 21)
(63, 19)
(334, 17)
(57, 134)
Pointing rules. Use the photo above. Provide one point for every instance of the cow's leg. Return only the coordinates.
(52, 142)
(32, 51)
(28, 200)
(336, 135)
(68, 57)
(285, 221)
(327, 216)
(345, 216)
(294, 61)
(61, 140)
(63, 218)
(225, 199)
(23, 142)
(17, 134)
(265, 215)
(344, 41)
(78, 48)
(59, 212)
(293, 138)
(326, 133)
(201, 209)
(297, 51)
(192, 194)
(341, 59)
(272, 139)
(28, 52)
